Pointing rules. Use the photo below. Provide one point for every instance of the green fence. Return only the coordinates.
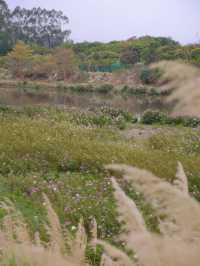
(112, 68)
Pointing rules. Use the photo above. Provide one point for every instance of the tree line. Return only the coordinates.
(42, 27)
(35, 43)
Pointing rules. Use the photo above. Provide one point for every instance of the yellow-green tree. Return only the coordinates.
(43, 66)
(66, 63)
(19, 60)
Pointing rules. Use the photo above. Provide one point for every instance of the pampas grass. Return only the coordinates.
(184, 81)
(18, 249)
(114, 255)
(179, 242)
(181, 181)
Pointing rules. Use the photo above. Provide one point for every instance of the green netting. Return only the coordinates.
(111, 68)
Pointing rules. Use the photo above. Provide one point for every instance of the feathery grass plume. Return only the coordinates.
(129, 209)
(181, 181)
(179, 244)
(55, 230)
(14, 224)
(79, 244)
(93, 231)
(18, 249)
(184, 81)
(137, 237)
(180, 213)
(37, 240)
(106, 260)
(117, 257)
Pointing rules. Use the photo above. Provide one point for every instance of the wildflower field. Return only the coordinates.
(46, 150)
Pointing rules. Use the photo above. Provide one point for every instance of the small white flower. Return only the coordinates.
(73, 228)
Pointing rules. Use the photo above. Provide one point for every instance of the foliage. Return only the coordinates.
(195, 55)
(155, 117)
(5, 37)
(43, 66)
(150, 76)
(28, 88)
(41, 26)
(48, 150)
(5, 43)
(4, 14)
(105, 116)
(66, 63)
(44, 29)
(19, 60)
(130, 56)
(151, 117)
(105, 88)
(23, 63)
(141, 91)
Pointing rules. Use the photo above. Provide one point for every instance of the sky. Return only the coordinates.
(108, 20)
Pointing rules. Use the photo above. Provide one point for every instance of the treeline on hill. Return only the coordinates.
(34, 43)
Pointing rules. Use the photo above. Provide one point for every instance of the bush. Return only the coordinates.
(150, 76)
(105, 88)
(140, 91)
(186, 121)
(154, 117)
(134, 91)
(28, 87)
(75, 88)
(105, 116)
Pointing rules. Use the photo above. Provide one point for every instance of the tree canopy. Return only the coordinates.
(40, 26)
(36, 26)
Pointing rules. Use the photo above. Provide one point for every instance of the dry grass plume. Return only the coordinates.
(17, 248)
(184, 81)
(179, 213)
(177, 245)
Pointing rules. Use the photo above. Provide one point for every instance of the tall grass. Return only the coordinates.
(48, 153)
(179, 215)
(17, 247)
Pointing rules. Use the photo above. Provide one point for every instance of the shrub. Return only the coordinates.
(66, 63)
(28, 87)
(134, 91)
(152, 117)
(121, 122)
(20, 59)
(79, 88)
(105, 88)
(141, 90)
(155, 117)
(185, 121)
(150, 76)
(43, 67)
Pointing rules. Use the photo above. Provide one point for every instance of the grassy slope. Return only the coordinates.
(46, 151)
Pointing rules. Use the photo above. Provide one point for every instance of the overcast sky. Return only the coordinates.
(106, 20)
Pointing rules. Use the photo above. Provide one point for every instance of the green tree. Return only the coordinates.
(40, 26)
(4, 15)
(130, 55)
(195, 55)
(43, 66)
(5, 28)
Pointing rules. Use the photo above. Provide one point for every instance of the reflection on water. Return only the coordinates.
(131, 103)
